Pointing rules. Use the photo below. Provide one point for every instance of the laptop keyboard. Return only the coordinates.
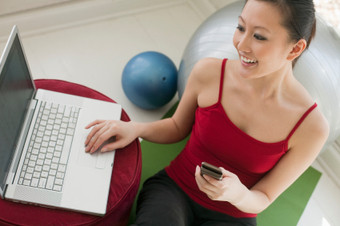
(46, 160)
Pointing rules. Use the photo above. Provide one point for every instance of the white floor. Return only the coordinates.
(90, 41)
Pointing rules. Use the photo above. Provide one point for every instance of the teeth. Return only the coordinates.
(247, 60)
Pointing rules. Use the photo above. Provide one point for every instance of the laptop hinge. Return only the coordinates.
(21, 141)
(3, 192)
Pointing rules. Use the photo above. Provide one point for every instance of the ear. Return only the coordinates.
(297, 49)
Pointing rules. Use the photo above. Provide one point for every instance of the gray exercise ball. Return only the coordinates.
(318, 69)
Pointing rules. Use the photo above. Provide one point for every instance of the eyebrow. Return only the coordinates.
(256, 27)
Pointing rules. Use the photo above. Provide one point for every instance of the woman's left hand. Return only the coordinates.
(228, 189)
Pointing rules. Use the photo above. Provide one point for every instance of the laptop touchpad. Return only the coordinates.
(95, 160)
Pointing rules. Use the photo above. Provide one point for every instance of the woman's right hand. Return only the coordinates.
(102, 130)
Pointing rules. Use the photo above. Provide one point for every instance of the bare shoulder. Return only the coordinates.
(314, 130)
(208, 62)
(318, 123)
(205, 69)
(314, 127)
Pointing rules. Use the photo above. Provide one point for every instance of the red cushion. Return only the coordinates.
(124, 183)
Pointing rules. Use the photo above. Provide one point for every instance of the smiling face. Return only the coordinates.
(263, 44)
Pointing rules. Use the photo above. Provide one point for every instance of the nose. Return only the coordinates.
(243, 44)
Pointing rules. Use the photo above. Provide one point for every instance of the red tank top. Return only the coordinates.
(216, 140)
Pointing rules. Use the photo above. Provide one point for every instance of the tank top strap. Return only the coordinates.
(310, 109)
(224, 62)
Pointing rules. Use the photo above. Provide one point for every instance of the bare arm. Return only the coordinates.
(167, 130)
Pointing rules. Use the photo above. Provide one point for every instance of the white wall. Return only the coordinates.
(90, 41)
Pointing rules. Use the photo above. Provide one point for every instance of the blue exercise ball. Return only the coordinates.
(318, 68)
(149, 80)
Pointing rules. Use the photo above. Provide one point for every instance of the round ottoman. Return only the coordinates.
(124, 182)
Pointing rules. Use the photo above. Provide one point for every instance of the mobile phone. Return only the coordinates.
(211, 170)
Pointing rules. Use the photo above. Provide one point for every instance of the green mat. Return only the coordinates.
(285, 211)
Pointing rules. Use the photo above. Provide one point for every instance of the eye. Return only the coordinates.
(240, 28)
(259, 37)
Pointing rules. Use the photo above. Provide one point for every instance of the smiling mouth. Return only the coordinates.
(248, 61)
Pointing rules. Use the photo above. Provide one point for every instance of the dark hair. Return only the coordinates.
(299, 18)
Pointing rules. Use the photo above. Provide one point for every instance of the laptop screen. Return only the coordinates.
(16, 90)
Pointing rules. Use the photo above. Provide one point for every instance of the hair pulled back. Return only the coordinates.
(298, 18)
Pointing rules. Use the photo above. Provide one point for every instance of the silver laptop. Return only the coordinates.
(42, 135)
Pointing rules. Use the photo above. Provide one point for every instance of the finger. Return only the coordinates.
(97, 131)
(96, 127)
(208, 192)
(197, 171)
(211, 191)
(226, 173)
(97, 141)
(198, 176)
(210, 179)
(207, 178)
(93, 123)
(99, 138)
(202, 183)
(113, 146)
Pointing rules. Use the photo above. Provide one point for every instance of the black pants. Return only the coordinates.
(162, 203)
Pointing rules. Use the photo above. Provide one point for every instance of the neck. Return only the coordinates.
(270, 86)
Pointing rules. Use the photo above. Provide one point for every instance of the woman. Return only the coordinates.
(249, 116)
